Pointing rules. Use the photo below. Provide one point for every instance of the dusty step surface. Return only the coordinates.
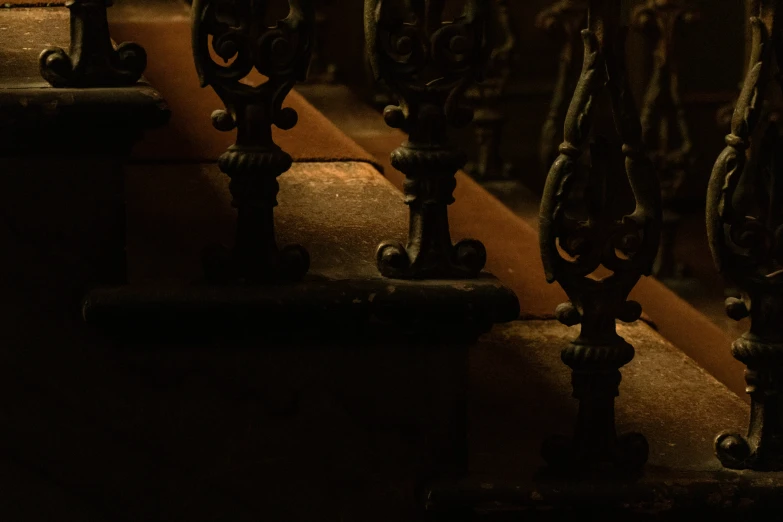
(512, 242)
(200, 429)
(339, 211)
(24, 33)
(36, 118)
(521, 394)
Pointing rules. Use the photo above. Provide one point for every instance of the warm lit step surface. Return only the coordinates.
(521, 394)
(36, 118)
(339, 211)
(24, 33)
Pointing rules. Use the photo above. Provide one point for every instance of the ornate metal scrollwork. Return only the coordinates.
(581, 235)
(745, 229)
(726, 112)
(664, 123)
(490, 117)
(92, 60)
(565, 20)
(429, 64)
(238, 35)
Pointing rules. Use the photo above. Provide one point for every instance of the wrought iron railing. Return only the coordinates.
(282, 54)
(664, 120)
(579, 236)
(595, 252)
(744, 224)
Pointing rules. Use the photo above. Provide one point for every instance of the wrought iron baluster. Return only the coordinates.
(745, 228)
(429, 64)
(580, 235)
(565, 19)
(238, 35)
(771, 108)
(490, 116)
(664, 123)
(92, 60)
(726, 112)
(321, 69)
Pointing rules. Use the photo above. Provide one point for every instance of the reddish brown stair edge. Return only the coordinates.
(190, 137)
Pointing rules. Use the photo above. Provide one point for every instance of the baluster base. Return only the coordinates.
(254, 187)
(762, 448)
(122, 67)
(92, 60)
(595, 380)
(465, 260)
(430, 172)
(744, 453)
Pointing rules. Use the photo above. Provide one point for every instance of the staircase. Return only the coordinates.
(185, 339)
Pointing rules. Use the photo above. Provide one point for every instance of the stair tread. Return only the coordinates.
(341, 212)
(521, 394)
(24, 33)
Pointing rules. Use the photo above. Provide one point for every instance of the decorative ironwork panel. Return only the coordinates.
(664, 123)
(596, 254)
(745, 228)
(236, 33)
(92, 60)
(565, 20)
(489, 97)
(429, 63)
